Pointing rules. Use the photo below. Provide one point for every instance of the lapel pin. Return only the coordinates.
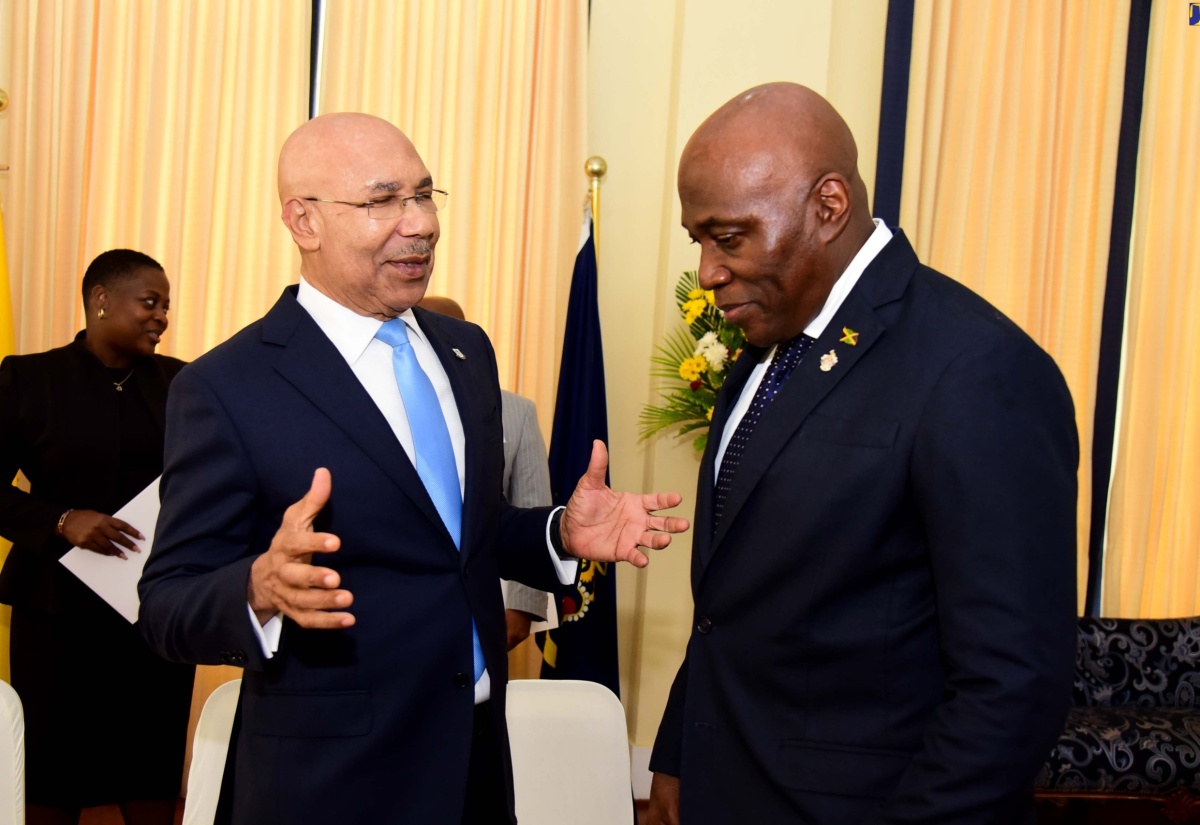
(458, 354)
(828, 360)
(849, 336)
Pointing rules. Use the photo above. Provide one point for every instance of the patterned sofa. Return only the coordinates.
(1134, 729)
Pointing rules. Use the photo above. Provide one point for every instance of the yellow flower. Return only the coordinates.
(696, 293)
(693, 309)
(708, 413)
(692, 368)
(710, 297)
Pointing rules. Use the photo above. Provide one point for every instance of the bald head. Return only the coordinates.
(357, 199)
(324, 154)
(769, 188)
(786, 126)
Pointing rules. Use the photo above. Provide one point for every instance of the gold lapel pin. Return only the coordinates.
(458, 354)
(849, 336)
(828, 360)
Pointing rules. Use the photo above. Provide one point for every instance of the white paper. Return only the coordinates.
(112, 578)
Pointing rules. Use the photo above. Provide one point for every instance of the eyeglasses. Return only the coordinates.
(393, 207)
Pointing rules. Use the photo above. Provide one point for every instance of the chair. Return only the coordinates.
(1132, 739)
(12, 757)
(209, 747)
(570, 753)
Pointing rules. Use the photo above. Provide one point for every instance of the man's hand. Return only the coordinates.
(664, 800)
(283, 579)
(99, 533)
(518, 623)
(604, 525)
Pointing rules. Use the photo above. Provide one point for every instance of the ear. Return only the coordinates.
(833, 205)
(98, 299)
(304, 222)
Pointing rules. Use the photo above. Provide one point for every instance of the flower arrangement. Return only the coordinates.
(696, 358)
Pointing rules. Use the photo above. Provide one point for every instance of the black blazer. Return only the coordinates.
(885, 616)
(372, 723)
(59, 427)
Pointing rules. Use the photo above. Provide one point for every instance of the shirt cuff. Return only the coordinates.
(267, 634)
(566, 569)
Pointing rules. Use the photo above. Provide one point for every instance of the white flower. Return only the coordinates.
(713, 350)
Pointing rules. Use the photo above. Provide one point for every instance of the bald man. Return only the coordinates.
(883, 567)
(526, 483)
(332, 519)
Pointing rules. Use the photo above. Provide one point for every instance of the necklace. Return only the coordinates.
(117, 384)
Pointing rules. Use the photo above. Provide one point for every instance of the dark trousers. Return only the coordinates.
(485, 803)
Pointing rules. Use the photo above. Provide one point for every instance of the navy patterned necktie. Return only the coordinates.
(787, 356)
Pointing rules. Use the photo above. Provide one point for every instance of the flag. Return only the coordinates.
(584, 645)
(7, 346)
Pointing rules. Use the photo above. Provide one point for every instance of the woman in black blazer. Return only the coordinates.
(106, 719)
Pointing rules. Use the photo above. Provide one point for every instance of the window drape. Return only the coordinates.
(494, 97)
(1013, 118)
(1152, 558)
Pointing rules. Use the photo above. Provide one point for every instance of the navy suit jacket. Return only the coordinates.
(372, 723)
(885, 616)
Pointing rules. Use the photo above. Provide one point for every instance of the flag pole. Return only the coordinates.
(595, 167)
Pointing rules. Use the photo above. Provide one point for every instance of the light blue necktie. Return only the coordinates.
(431, 442)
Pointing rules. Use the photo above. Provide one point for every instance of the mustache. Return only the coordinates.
(418, 247)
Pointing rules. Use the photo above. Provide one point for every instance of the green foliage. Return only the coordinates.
(686, 406)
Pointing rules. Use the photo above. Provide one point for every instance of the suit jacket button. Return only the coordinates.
(703, 626)
(462, 680)
(466, 571)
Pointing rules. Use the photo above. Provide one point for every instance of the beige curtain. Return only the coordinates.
(1014, 110)
(155, 126)
(1152, 563)
(494, 97)
(152, 125)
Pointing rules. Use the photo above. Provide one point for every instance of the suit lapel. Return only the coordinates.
(883, 282)
(310, 363)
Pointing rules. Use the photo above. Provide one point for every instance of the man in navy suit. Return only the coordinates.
(309, 535)
(883, 568)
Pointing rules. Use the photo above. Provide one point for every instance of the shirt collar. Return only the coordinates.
(349, 332)
(849, 277)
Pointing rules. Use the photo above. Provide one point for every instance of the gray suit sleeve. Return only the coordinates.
(528, 484)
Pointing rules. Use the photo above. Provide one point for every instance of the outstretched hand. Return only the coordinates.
(284, 580)
(604, 525)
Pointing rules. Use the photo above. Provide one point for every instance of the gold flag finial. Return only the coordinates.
(596, 168)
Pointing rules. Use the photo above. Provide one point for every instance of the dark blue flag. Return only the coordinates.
(584, 645)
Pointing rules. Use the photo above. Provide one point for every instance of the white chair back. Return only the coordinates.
(209, 747)
(12, 757)
(570, 753)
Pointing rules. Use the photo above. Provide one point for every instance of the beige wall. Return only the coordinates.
(657, 69)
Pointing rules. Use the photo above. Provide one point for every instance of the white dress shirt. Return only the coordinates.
(841, 288)
(370, 359)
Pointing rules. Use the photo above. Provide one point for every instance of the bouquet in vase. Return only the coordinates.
(694, 360)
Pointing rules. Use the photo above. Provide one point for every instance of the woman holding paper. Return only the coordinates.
(106, 720)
